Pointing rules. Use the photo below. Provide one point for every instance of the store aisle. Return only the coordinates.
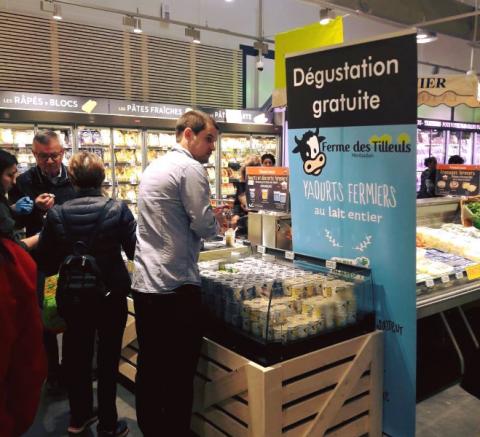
(52, 417)
(453, 412)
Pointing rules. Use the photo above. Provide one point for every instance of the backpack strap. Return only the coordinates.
(97, 225)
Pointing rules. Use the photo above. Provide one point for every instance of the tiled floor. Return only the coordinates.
(52, 417)
(451, 413)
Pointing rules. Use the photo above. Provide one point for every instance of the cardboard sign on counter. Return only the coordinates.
(457, 180)
(267, 188)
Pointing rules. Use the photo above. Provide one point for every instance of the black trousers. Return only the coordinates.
(107, 318)
(169, 333)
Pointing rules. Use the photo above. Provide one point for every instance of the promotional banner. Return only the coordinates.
(457, 180)
(352, 130)
(267, 188)
(312, 36)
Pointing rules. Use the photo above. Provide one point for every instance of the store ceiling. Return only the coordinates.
(410, 12)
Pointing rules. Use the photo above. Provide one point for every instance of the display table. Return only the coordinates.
(336, 389)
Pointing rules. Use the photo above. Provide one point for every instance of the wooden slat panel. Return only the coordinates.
(204, 429)
(313, 383)
(354, 429)
(131, 308)
(226, 423)
(130, 332)
(77, 59)
(315, 360)
(221, 355)
(311, 406)
(130, 354)
(127, 370)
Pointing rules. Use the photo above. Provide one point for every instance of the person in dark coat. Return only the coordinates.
(47, 184)
(427, 180)
(23, 366)
(9, 214)
(65, 225)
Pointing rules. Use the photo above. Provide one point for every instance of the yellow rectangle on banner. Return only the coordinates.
(473, 272)
(308, 37)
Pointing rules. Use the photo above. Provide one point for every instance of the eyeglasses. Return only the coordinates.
(47, 156)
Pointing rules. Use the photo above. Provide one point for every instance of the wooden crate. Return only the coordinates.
(335, 391)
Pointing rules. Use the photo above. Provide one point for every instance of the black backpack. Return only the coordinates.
(80, 281)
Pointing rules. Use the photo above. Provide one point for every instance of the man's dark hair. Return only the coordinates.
(195, 120)
(44, 137)
(456, 159)
(429, 160)
(268, 156)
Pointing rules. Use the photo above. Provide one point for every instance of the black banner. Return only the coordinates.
(356, 85)
(52, 102)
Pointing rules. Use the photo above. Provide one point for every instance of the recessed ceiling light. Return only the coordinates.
(137, 27)
(425, 36)
(57, 12)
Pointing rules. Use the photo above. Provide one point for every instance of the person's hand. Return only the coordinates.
(24, 206)
(45, 201)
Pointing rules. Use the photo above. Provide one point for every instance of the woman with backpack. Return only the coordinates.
(82, 240)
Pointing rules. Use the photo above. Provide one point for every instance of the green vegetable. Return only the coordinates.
(474, 207)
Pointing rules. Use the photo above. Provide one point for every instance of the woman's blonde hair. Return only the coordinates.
(86, 170)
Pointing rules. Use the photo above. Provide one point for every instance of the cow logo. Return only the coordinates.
(309, 149)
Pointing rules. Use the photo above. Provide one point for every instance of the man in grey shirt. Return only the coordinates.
(174, 213)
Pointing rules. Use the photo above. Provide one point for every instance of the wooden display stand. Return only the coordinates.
(335, 391)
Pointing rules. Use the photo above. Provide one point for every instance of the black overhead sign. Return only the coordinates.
(56, 103)
(52, 102)
(357, 85)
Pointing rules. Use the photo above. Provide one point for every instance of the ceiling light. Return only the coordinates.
(425, 36)
(57, 12)
(229, 1)
(193, 33)
(137, 25)
(326, 16)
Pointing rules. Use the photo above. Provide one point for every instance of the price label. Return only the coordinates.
(289, 255)
(429, 283)
(473, 272)
(459, 275)
(332, 265)
(261, 249)
(445, 279)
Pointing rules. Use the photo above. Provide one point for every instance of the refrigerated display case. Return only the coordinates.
(158, 143)
(98, 140)
(17, 140)
(127, 164)
(234, 149)
(446, 251)
(466, 147)
(437, 144)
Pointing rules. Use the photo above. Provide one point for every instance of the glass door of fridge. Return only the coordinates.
(437, 145)
(423, 151)
(262, 144)
(65, 134)
(453, 143)
(127, 165)
(476, 149)
(17, 140)
(234, 149)
(466, 147)
(158, 143)
(99, 140)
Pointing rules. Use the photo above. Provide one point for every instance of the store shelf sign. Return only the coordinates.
(473, 272)
(457, 180)
(267, 188)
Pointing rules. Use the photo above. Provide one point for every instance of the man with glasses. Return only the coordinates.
(46, 184)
